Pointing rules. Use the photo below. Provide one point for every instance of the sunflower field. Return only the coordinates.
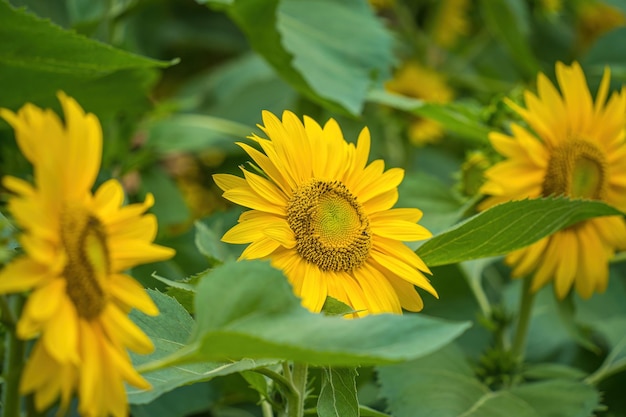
(334, 208)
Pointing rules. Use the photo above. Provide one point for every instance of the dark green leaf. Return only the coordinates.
(508, 226)
(37, 59)
(338, 396)
(248, 310)
(509, 21)
(170, 331)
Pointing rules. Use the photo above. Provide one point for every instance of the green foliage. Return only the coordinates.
(38, 59)
(231, 338)
(507, 227)
(299, 39)
(447, 387)
(169, 331)
(248, 310)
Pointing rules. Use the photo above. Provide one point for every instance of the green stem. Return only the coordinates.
(296, 401)
(13, 365)
(283, 381)
(525, 309)
(266, 409)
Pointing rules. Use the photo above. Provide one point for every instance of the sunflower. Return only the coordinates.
(450, 22)
(594, 19)
(417, 81)
(573, 147)
(77, 245)
(325, 218)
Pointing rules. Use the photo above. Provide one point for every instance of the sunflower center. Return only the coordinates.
(331, 229)
(87, 266)
(576, 169)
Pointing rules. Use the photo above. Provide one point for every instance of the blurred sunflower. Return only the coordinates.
(325, 217)
(77, 245)
(576, 148)
(416, 81)
(595, 18)
(450, 22)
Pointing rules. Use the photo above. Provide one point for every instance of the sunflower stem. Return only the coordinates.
(295, 402)
(13, 364)
(523, 321)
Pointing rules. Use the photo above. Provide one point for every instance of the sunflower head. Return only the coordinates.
(575, 147)
(77, 245)
(324, 216)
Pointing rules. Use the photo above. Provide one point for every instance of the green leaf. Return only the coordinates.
(209, 244)
(509, 21)
(462, 120)
(257, 382)
(448, 388)
(507, 227)
(39, 58)
(338, 396)
(247, 310)
(559, 398)
(299, 39)
(334, 307)
(169, 331)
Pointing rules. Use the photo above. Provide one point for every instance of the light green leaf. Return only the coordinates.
(338, 396)
(299, 39)
(169, 331)
(508, 226)
(248, 310)
(38, 58)
(195, 132)
(462, 120)
(448, 388)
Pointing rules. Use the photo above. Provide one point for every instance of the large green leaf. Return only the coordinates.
(447, 388)
(170, 331)
(329, 50)
(508, 226)
(248, 310)
(37, 59)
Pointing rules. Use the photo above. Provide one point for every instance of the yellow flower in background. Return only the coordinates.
(416, 81)
(450, 22)
(382, 4)
(77, 245)
(551, 6)
(595, 18)
(576, 148)
(325, 218)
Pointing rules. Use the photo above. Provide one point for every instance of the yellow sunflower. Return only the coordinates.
(450, 22)
(325, 218)
(77, 245)
(595, 18)
(414, 80)
(573, 147)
